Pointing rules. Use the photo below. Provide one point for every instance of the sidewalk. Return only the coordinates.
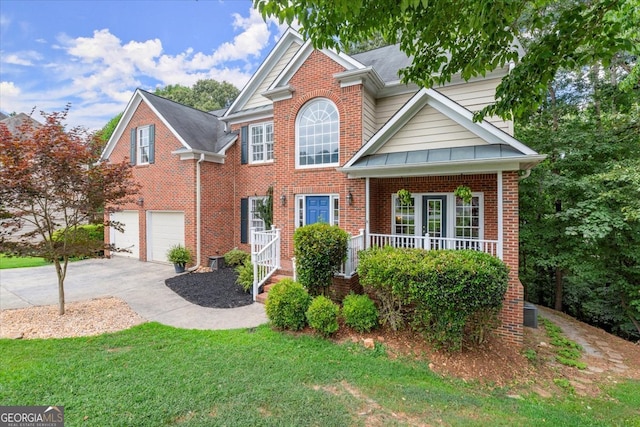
(140, 284)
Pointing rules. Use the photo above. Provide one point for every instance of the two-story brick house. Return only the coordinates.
(335, 136)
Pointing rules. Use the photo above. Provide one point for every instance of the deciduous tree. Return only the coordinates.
(50, 184)
(472, 37)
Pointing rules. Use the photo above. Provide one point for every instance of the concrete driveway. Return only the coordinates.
(140, 284)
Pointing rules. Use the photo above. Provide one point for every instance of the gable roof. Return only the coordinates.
(289, 37)
(502, 151)
(199, 132)
(14, 122)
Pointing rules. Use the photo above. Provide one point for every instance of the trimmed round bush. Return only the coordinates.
(320, 249)
(360, 312)
(287, 304)
(322, 315)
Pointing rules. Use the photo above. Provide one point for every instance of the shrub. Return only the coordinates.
(386, 272)
(359, 312)
(245, 275)
(81, 241)
(236, 257)
(446, 289)
(320, 250)
(322, 315)
(287, 304)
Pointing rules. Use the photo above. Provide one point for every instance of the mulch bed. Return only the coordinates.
(217, 289)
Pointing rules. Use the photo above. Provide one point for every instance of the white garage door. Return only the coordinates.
(129, 237)
(164, 229)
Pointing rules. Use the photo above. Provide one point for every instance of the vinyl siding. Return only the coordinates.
(387, 107)
(368, 116)
(430, 129)
(475, 96)
(257, 100)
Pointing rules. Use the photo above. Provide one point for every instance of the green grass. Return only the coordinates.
(19, 262)
(154, 375)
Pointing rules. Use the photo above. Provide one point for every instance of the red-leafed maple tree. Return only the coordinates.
(50, 184)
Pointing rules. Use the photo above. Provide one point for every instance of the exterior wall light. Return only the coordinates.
(283, 200)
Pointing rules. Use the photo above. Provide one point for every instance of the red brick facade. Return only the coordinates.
(170, 183)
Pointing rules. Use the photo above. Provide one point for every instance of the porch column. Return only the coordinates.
(366, 214)
(500, 218)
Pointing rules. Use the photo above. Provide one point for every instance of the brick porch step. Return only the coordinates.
(262, 296)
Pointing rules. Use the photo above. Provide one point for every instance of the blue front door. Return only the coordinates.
(317, 209)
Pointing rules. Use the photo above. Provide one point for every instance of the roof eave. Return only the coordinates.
(191, 154)
(453, 167)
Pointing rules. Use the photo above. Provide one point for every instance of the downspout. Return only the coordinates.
(500, 217)
(198, 216)
(526, 174)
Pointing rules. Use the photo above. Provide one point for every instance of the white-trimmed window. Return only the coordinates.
(254, 219)
(440, 215)
(317, 134)
(143, 145)
(261, 142)
(308, 210)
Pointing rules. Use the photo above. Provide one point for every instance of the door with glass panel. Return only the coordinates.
(434, 220)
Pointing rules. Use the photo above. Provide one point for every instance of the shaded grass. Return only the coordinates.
(19, 262)
(157, 375)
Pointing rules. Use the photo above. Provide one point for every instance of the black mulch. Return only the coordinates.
(217, 289)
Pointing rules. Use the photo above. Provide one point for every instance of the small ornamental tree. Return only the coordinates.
(51, 185)
(320, 249)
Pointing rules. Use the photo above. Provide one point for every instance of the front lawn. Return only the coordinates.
(155, 375)
(19, 262)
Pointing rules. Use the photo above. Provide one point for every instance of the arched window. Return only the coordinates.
(317, 134)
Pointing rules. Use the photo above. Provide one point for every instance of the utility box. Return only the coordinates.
(530, 315)
(216, 262)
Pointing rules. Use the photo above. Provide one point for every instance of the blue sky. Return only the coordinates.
(94, 54)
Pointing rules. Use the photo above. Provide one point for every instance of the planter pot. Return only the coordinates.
(179, 268)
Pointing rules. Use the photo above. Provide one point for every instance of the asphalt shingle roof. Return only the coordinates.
(199, 129)
(386, 60)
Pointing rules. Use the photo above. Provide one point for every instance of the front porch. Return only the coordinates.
(265, 250)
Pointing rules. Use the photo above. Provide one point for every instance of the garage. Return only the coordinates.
(164, 229)
(129, 237)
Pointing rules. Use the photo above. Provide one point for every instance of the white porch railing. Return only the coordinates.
(354, 245)
(265, 256)
(427, 242)
(357, 243)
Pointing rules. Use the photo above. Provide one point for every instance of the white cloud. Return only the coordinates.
(25, 58)
(99, 73)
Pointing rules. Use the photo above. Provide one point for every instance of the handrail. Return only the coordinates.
(265, 256)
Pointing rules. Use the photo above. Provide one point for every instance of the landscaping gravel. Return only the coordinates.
(216, 289)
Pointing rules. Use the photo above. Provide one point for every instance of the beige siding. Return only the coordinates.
(258, 100)
(387, 107)
(475, 96)
(430, 129)
(368, 116)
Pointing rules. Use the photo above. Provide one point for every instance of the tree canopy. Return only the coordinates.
(473, 37)
(50, 186)
(205, 95)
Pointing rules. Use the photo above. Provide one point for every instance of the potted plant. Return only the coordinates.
(179, 256)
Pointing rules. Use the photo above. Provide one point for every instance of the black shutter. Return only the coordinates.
(133, 149)
(244, 147)
(244, 220)
(152, 144)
